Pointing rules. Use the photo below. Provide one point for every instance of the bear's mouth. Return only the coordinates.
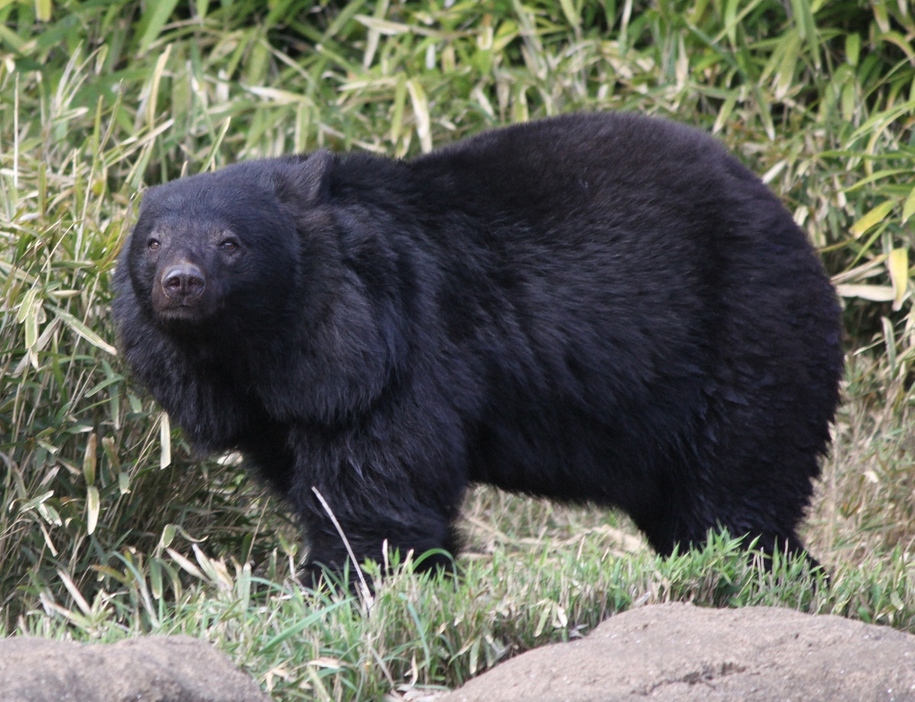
(182, 314)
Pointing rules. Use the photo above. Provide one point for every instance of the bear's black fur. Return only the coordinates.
(596, 308)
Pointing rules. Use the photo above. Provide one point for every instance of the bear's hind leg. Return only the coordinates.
(765, 516)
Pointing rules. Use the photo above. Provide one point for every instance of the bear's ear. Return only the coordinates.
(306, 182)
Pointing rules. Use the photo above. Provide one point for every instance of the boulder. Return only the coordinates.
(679, 652)
(151, 669)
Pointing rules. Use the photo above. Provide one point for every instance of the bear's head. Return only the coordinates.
(272, 276)
(216, 251)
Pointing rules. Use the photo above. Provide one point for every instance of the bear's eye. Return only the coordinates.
(153, 244)
(228, 245)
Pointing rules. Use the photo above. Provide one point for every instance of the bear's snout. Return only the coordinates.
(184, 280)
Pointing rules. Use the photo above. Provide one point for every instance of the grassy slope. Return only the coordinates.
(97, 99)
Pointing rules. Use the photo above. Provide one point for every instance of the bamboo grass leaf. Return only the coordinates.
(93, 504)
(898, 265)
(82, 330)
(874, 293)
(153, 22)
(872, 218)
(421, 113)
(908, 208)
(90, 458)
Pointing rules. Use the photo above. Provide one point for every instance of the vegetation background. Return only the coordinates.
(110, 527)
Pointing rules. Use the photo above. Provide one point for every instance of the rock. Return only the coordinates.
(680, 652)
(149, 669)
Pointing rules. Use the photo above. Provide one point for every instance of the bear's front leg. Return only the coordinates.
(368, 512)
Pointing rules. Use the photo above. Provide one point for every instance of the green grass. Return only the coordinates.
(110, 527)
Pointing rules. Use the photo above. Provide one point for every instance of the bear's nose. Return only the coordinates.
(183, 280)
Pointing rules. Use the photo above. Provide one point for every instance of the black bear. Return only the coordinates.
(599, 308)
